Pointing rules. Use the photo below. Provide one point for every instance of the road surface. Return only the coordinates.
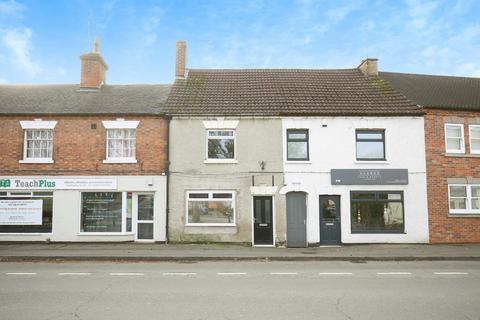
(240, 290)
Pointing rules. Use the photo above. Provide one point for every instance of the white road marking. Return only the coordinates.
(74, 273)
(127, 274)
(179, 273)
(335, 273)
(450, 273)
(284, 273)
(22, 273)
(231, 273)
(394, 273)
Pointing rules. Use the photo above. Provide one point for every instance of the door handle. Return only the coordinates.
(304, 221)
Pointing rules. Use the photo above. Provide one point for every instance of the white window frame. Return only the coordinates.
(468, 209)
(210, 198)
(120, 124)
(462, 137)
(470, 127)
(37, 124)
(217, 160)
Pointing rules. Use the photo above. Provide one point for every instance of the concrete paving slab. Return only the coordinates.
(204, 252)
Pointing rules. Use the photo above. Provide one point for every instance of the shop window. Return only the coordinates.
(297, 145)
(108, 212)
(220, 144)
(210, 208)
(24, 212)
(474, 139)
(370, 144)
(377, 211)
(454, 142)
(464, 199)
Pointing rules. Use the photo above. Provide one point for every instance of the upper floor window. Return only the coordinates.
(121, 144)
(454, 142)
(38, 141)
(370, 144)
(121, 141)
(220, 144)
(474, 139)
(464, 198)
(297, 145)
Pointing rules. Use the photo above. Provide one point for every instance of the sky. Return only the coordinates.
(41, 41)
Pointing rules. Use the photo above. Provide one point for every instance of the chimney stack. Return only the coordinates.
(94, 68)
(369, 67)
(181, 60)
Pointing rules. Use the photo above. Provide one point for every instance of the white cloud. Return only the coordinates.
(18, 41)
(469, 70)
(151, 25)
(421, 12)
(339, 13)
(11, 7)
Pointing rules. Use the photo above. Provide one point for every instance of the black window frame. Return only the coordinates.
(377, 200)
(307, 138)
(373, 131)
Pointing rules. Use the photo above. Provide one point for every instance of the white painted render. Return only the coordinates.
(332, 146)
(67, 210)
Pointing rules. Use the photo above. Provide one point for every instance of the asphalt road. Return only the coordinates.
(240, 290)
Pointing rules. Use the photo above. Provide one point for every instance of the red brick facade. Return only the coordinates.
(445, 227)
(79, 148)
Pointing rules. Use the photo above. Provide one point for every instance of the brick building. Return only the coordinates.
(452, 138)
(83, 162)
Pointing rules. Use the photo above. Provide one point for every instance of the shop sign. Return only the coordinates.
(369, 176)
(21, 212)
(58, 184)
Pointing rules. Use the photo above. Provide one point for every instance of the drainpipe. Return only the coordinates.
(168, 180)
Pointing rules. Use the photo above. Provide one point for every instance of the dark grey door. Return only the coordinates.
(330, 227)
(296, 219)
(263, 221)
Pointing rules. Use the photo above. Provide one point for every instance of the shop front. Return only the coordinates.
(95, 208)
(356, 206)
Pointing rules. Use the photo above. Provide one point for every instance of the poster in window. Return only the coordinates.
(21, 212)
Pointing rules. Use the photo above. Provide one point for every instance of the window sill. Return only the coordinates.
(461, 155)
(464, 215)
(40, 160)
(105, 234)
(217, 161)
(211, 225)
(120, 161)
(372, 162)
(378, 232)
(298, 162)
(26, 234)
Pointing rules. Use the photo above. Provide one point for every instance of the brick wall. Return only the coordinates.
(79, 150)
(445, 228)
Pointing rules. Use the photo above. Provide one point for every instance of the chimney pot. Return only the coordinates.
(181, 60)
(369, 67)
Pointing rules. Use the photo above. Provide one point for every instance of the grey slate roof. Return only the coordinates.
(437, 91)
(276, 92)
(70, 99)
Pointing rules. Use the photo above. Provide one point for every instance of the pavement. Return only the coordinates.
(16, 252)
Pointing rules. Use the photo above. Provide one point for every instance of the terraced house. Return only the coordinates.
(83, 162)
(302, 157)
(260, 156)
(452, 137)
